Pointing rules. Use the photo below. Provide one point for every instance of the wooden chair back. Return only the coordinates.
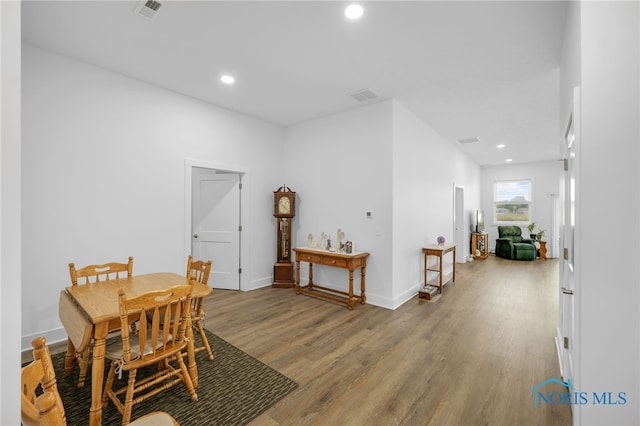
(79, 344)
(161, 337)
(104, 272)
(198, 270)
(161, 317)
(40, 408)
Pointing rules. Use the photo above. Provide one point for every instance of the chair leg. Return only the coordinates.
(186, 378)
(203, 336)
(128, 400)
(108, 385)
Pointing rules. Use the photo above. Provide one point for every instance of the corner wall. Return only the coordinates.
(340, 167)
(425, 169)
(379, 158)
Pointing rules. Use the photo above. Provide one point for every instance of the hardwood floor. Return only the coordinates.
(471, 357)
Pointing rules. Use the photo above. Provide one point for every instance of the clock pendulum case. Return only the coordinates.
(284, 209)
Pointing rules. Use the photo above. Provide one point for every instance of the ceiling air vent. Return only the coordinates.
(363, 95)
(148, 8)
(468, 140)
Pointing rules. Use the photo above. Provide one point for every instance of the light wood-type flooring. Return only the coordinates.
(471, 357)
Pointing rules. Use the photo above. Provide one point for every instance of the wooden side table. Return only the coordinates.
(479, 244)
(439, 251)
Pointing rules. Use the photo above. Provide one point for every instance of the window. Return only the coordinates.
(512, 201)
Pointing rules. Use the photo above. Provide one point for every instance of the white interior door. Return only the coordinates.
(216, 225)
(569, 282)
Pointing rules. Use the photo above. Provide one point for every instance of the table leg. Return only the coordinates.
(350, 304)
(310, 275)
(425, 270)
(363, 297)
(454, 264)
(97, 373)
(70, 358)
(440, 273)
(297, 276)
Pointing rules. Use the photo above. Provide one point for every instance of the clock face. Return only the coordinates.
(284, 205)
(284, 202)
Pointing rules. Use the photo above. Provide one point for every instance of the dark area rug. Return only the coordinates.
(233, 389)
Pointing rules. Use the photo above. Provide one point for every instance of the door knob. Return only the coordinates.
(195, 235)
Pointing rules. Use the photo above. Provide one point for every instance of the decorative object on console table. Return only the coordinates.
(339, 239)
(479, 241)
(284, 209)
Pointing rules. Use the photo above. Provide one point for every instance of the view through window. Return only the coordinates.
(512, 201)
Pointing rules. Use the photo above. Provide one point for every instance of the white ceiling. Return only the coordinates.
(468, 69)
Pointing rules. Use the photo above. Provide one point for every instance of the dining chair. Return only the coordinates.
(41, 404)
(107, 271)
(92, 274)
(199, 270)
(153, 345)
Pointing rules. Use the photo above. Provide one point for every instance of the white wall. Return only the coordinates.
(103, 176)
(609, 208)
(379, 158)
(601, 56)
(545, 178)
(10, 255)
(340, 167)
(425, 168)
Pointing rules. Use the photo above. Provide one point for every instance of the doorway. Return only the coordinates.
(213, 221)
(458, 224)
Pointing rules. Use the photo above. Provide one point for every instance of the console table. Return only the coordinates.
(348, 261)
(438, 251)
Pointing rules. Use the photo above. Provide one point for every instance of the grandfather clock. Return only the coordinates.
(284, 209)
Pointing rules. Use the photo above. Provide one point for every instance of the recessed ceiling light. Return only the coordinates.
(227, 79)
(353, 11)
(500, 146)
(508, 160)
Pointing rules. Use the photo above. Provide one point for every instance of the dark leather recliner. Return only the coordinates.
(511, 245)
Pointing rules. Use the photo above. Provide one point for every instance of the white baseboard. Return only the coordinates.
(53, 336)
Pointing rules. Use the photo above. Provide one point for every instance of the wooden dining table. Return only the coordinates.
(93, 308)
